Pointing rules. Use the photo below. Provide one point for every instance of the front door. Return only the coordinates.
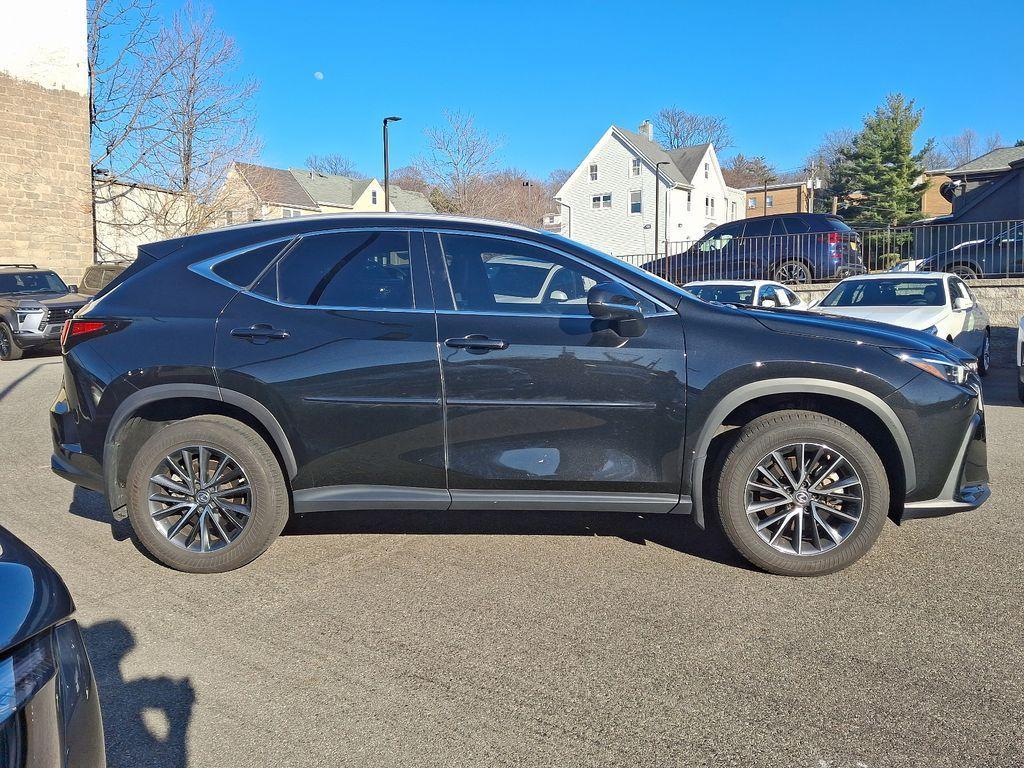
(337, 339)
(545, 406)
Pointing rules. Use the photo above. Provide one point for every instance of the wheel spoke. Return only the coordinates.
(768, 489)
(220, 528)
(176, 528)
(826, 473)
(768, 522)
(832, 533)
(772, 479)
(238, 490)
(170, 485)
(204, 464)
(160, 514)
(204, 531)
(784, 466)
(238, 509)
(760, 506)
(781, 528)
(230, 516)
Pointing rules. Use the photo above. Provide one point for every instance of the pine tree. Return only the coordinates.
(879, 176)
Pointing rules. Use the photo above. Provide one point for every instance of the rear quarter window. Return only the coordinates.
(243, 269)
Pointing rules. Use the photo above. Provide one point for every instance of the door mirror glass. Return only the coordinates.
(73, 288)
(960, 303)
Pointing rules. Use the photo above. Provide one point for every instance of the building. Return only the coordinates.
(260, 192)
(988, 188)
(552, 222)
(933, 202)
(129, 214)
(789, 197)
(45, 175)
(608, 200)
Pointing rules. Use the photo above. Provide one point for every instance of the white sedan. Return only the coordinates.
(755, 293)
(936, 302)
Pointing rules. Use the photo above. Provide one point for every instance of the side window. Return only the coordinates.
(490, 275)
(759, 227)
(242, 269)
(92, 278)
(782, 296)
(791, 297)
(958, 290)
(766, 292)
(345, 269)
(720, 238)
(793, 225)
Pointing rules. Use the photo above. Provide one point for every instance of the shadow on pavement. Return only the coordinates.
(1000, 386)
(27, 374)
(93, 506)
(145, 720)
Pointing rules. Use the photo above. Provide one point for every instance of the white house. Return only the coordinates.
(608, 201)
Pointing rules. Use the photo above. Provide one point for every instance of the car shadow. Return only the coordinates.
(1000, 385)
(679, 533)
(93, 506)
(23, 377)
(145, 720)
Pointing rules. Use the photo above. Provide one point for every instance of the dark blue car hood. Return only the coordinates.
(855, 330)
(32, 596)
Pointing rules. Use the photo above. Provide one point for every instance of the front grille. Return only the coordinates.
(59, 314)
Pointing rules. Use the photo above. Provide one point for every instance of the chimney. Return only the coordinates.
(646, 129)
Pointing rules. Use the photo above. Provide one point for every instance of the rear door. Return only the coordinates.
(337, 339)
(545, 406)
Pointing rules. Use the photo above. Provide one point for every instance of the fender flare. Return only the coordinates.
(756, 389)
(159, 392)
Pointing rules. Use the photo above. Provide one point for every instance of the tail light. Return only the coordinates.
(832, 238)
(76, 330)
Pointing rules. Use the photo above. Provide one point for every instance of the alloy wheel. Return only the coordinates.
(986, 352)
(5, 345)
(804, 499)
(200, 498)
(792, 273)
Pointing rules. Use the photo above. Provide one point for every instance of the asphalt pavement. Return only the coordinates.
(527, 639)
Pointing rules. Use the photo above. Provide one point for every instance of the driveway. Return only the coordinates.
(526, 639)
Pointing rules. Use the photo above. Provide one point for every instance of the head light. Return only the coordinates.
(936, 364)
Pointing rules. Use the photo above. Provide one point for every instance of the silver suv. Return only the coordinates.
(34, 303)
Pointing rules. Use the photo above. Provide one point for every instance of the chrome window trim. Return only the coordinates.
(204, 268)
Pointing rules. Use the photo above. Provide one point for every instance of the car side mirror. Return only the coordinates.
(961, 304)
(768, 303)
(73, 288)
(617, 304)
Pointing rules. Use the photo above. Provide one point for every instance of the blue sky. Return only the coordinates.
(550, 77)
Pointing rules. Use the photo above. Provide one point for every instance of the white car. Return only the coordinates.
(936, 302)
(755, 293)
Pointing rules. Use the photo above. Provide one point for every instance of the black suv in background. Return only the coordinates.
(34, 303)
(393, 361)
(790, 248)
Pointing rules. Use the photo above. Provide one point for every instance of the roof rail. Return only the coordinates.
(20, 266)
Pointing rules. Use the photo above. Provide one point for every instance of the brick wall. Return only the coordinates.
(785, 200)
(45, 213)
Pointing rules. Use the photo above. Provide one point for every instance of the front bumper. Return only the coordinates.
(967, 486)
(48, 334)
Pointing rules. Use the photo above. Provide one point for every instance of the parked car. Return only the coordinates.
(907, 265)
(790, 248)
(98, 276)
(1020, 359)
(756, 293)
(358, 361)
(34, 303)
(49, 706)
(1000, 255)
(938, 303)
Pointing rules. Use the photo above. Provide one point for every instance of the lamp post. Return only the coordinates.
(387, 196)
(657, 193)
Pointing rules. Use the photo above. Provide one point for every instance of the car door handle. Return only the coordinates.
(476, 341)
(260, 332)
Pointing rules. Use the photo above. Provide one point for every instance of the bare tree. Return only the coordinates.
(674, 128)
(410, 177)
(967, 145)
(208, 119)
(460, 159)
(742, 171)
(334, 164)
(557, 178)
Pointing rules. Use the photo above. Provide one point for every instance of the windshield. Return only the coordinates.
(727, 294)
(32, 282)
(886, 293)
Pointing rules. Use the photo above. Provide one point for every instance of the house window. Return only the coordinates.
(373, 196)
(634, 167)
(769, 201)
(601, 201)
(751, 202)
(689, 199)
(733, 211)
(593, 171)
(707, 170)
(636, 202)
(709, 207)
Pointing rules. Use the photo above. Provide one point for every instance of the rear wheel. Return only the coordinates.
(802, 494)
(792, 273)
(206, 495)
(8, 349)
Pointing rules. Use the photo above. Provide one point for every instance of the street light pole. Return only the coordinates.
(387, 195)
(657, 193)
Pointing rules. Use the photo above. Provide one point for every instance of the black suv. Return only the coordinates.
(325, 363)
(791, 248)
(34, 303)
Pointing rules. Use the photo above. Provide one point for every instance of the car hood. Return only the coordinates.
(50, 300)
(854, 330)
(34, 597)
(916, 318)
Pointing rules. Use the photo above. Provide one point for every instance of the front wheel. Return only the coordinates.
(206, 495)
(802, 494)
(964, 271)
(8, 349)
(792, 273)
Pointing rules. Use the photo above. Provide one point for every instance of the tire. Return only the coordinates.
(786, 430)
(247, 536)
(965, 271)
(8, 349)
(792, 273)
(985, 358)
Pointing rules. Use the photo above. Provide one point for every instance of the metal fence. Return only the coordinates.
(974, 250)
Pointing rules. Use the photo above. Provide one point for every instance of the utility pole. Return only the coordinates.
(387, 195)
(657, 194)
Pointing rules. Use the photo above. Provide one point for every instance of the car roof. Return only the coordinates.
(900, 276)
(750, 283)
(5, 268)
